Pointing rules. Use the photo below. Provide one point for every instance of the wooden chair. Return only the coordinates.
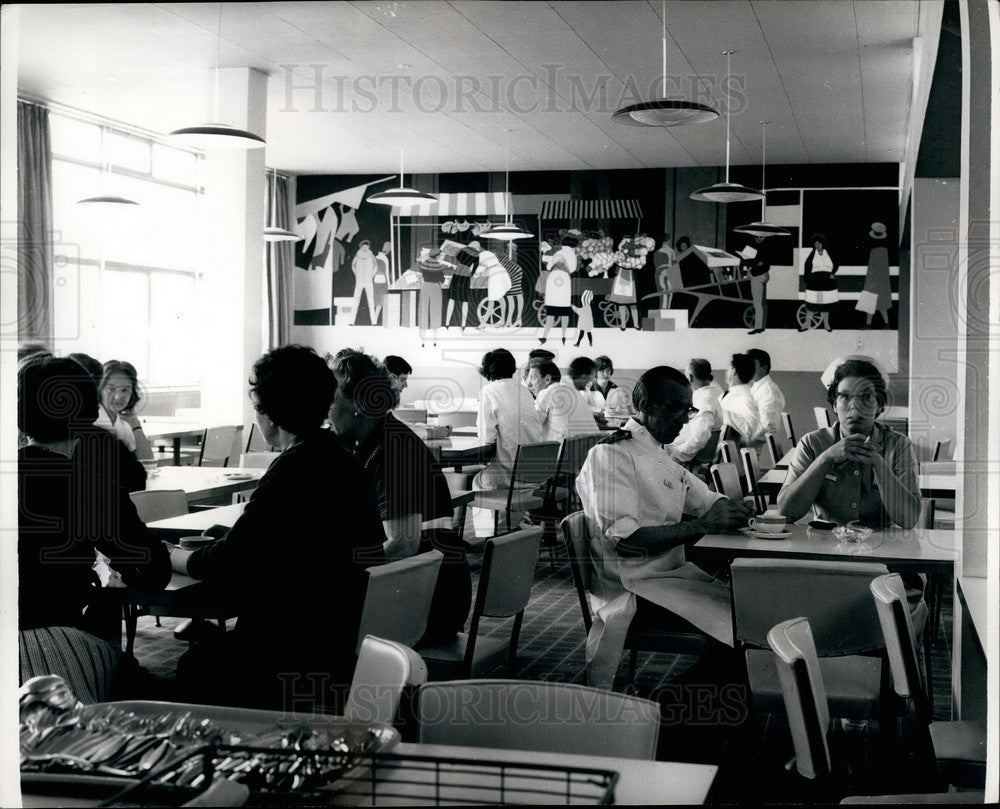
(729, 451)
(752, 473)
(730, 433)
(398, 598)
(383, 670)
(217, 446)
(704, 458)
(533, 464)
(786, 420)
(835, 597)
(159, 504)
(823, 419)
(726, 479)
(943, 451)
(641, 637)
(255, 441)
(504, 591)
(257, 460)
(538, 715)
(411, 415)
(958, 748)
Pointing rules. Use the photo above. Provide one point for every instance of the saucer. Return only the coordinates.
(765, 534)
(237, 475)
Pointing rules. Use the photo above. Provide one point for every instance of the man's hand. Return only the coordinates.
(725, 515)
(178, 557)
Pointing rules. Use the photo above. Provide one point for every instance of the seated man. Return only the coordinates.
(635, 497)
(561, 410)
(399, 372)
(705, 391)
(581, 372)
(766, 393)
(739, 408)
(694, 435)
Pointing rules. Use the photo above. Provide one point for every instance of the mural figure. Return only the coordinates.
(324, 225)
(381, 280)
(584, 317)
(631, 257)
(558, 295)
(663, 261)
(515, 295)
(458, 289)
(758, 264)
(349, 227)
(877, 293)
(431, 300)
(821, 286)
(364, 267)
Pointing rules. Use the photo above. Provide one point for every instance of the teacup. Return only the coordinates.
(193, 543)
(770, 522)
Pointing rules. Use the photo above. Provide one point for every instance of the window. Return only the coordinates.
(127, 282)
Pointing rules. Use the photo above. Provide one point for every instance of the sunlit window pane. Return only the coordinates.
(174, 165)
(173, 330)
(124, 319)
(76, 309)
(126, 151)
(78, 139)
(162, 232)
(75, 224)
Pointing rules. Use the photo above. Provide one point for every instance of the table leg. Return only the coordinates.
(177, 451)
(130, 612)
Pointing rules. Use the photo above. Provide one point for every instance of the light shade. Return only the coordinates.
(761, 229)
(280, 235)
(106, 200)
(664, 112)
(402, 197)
(506, 232)
(216, 136)
(727, 192)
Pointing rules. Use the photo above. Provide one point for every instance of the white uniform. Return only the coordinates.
(693, 436)
(770, 404)
(707, 398)
(627, 485)
(563, 412)
(739, 410)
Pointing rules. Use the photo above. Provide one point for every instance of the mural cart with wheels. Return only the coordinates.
(707, 275)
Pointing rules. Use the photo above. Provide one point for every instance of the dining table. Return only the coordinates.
(460, 450)
(172, 429)
(204, 484)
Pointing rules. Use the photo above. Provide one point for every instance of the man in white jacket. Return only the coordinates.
(768, 396)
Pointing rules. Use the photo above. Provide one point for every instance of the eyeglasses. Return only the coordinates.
(866, 400)
(684, 414)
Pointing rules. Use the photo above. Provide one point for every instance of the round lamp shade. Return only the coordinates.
(727, 192)
(664, 112)
(216, 136)
(507, 232)
(761, 229)
(402, 197)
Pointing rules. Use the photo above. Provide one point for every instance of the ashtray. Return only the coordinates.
(852, 533)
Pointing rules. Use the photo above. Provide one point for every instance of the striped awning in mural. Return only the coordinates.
(492, 203)
(591, 209)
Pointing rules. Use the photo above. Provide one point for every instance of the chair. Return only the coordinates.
(533, 464)
(255, 441)
(772, 452)
(943, 451)
(823, 419)
(383, 670)
(641, 637)
(752, 473)
(730, 433)
(726, 479)
(959, 748)
(398, 598)
(699, 464)
(257, 460)
(503, 592)
(457, 419)
(786, 420)
(542, 716)
(411, 415)
(237, 446)
(159, 504)
(729, 451)
(217, 446)
(835, 597)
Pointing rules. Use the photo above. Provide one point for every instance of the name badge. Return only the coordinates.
(832, 477)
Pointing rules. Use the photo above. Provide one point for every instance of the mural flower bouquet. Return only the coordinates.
(599, 250)
(632, 251)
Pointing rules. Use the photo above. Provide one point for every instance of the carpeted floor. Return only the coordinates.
(552, 648)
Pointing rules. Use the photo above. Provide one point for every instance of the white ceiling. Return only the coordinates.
(832, 77)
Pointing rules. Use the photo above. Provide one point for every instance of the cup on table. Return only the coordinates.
(770, 522)
(150, 465)
(195, 542)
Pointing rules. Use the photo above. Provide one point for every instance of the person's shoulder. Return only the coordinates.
(616, 437)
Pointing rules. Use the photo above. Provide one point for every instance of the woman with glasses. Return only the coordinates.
(857, 469)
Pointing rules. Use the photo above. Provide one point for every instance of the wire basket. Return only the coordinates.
(324, 778)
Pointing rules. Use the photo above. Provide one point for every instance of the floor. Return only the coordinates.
(751, 753)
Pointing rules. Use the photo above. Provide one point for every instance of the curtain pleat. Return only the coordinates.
(279, 263)
(35, 259)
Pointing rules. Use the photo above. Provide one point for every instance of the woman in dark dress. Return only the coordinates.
(821, 285)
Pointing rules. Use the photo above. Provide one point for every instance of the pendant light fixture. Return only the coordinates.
(402, 197)
(216, 135)
(508, 231)
(727, 191)
(664, 111)
(273, 232)
(763, 227)
(107, 201)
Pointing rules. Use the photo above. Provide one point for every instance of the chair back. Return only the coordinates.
(257, 460)
(508, 572)
(160, 504)
(535, 463)
(730, 433)
(237, 446)
(772, 452)
(751, 470)
(942, 451)
(928, 512)
(255, 440)
(572, 455)
(823, 419)
(538, 715)
(786, 420)
(456, 419)
(729, 452)
(727, 480)
(574, 528)
(707, 453)
(383, 670)
(834, 596)
(398, 598)
(411, 415)
(900, 641)
(216, 446)
(804, 695)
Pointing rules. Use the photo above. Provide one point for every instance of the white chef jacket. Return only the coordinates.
(507, 416)
(563, 412)
(693, 436)
(624, 486)
(739, 410)
(707, 398)
(770, 404)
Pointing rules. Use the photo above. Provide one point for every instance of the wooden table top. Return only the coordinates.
(204, 482)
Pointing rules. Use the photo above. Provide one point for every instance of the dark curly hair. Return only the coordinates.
(498, 364)
(651, 389)
(293, 386)
(863, 369)
(365, 381)
(54, 396)
(128, 369)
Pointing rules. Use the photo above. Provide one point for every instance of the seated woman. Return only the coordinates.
(70, 508)
(293, 564)
(857, 469)
(119, 392)
(413, 497)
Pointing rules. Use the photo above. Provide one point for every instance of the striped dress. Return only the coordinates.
(515, 273)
